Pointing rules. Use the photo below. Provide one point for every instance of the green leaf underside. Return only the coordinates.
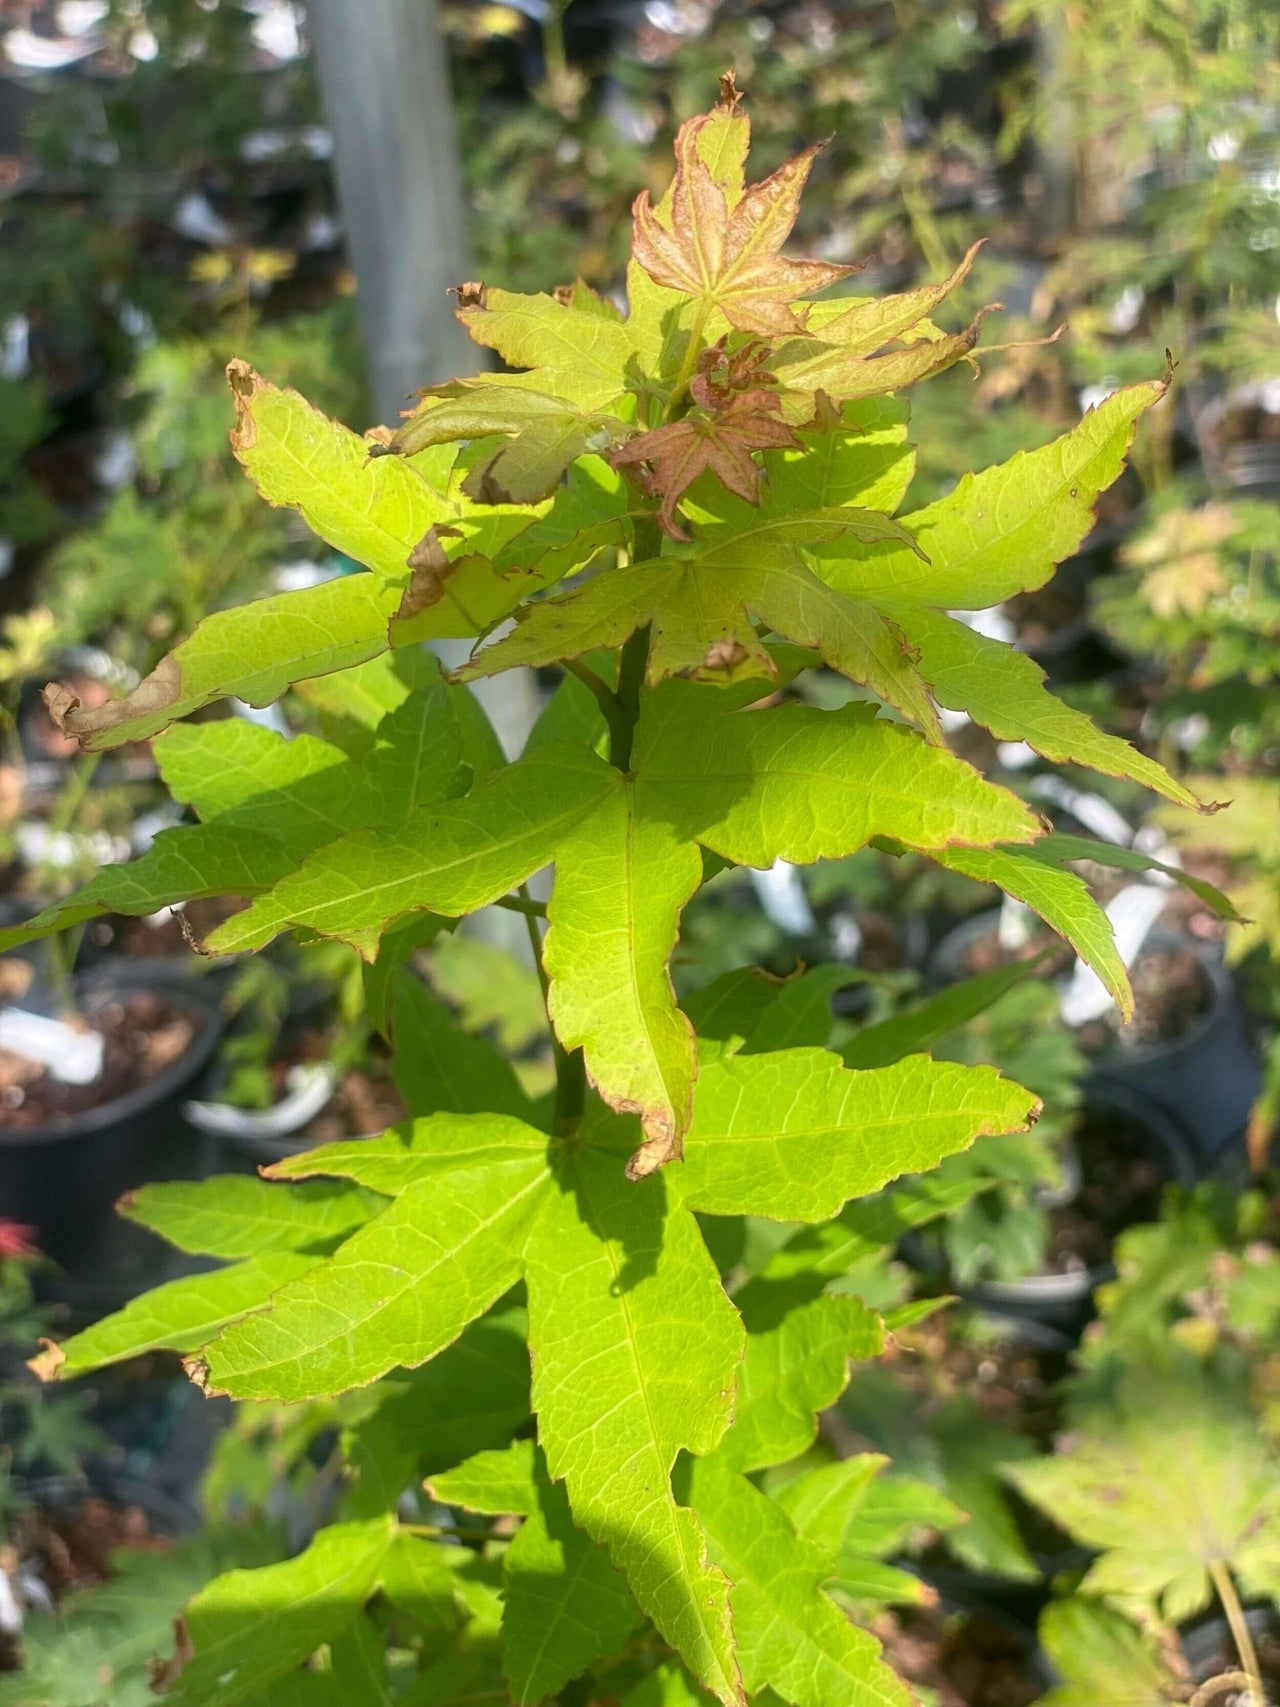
(253, 651)
(372, 509)
(412, 1154)
(1062, 900)
(250, 1627)
(634, 1350)
(1005, 692)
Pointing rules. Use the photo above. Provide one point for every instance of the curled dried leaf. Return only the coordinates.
(48, 1362)
(470, 295)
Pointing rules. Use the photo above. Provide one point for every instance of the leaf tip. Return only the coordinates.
(472, 294)
(48, 1362)
(730, 97)
(60, 702)
(197, 1371)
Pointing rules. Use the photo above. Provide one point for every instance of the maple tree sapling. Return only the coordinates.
(716, 477)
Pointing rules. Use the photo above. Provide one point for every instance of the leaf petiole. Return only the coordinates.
(1240, 1632)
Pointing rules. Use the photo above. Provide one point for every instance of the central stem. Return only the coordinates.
(1240, 1633)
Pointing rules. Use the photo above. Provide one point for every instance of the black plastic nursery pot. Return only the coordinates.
(63, 1177)
(1196, 1089)
(1192, 1093)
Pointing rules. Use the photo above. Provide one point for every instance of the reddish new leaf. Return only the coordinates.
(721, 441)
(726, 257)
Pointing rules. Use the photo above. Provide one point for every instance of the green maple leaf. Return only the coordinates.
(626, 862)
(253, 651)
(249, 1628)
(267, 802)
(791, 1636)
(717, 241)
(234, 1216)
(545, 434)
(701, 609)
(1102, 1659)
(565, 1606)
(575, 352)
(795, 1365)
(1170, 1481)
(627, 1317)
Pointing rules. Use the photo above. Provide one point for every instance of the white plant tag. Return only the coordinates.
(72, 1057)
(1132, 913)
(783, 898)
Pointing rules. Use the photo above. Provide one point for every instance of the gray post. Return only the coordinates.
(385, 84)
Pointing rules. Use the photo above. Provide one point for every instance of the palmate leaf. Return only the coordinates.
(701, 611)
(575, 353)
(1168, 1478)
(725, 255)
(1101, 1659)
(752, 787)
(565, 1606)
(719, 442)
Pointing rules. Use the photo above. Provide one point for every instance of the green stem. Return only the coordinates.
(571, 1072)
(73, 794)
(692, 351)
(631, 673)
(519, 904)
(1239, 1629)
(604, 696)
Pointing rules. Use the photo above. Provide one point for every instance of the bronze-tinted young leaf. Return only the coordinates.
(719, 440)
(729, 258)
